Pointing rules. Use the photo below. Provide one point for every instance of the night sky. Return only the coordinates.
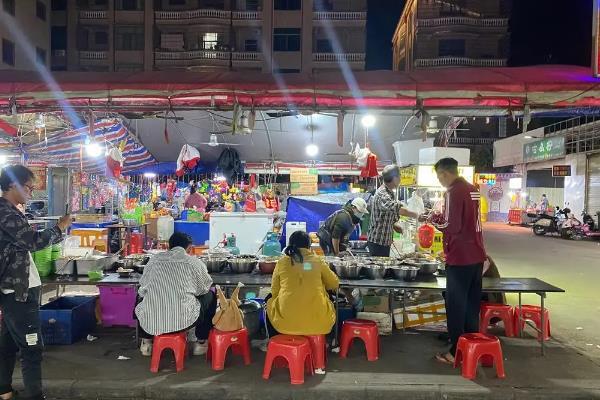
(542, 32)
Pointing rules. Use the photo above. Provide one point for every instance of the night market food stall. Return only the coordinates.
(139, 210)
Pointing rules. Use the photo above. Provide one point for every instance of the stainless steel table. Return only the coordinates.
(433, 283)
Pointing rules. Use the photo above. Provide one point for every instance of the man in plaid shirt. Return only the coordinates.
(385, 212)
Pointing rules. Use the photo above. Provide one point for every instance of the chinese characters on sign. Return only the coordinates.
(544, 149)
(559, 171)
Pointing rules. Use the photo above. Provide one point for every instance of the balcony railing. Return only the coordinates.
(337, 57)
(192, 55)
(339, 15)
(191, 14)
(91, 14)
(459, 61)
(247, 56)
(246, 15)
(482, 22)
(93, 55)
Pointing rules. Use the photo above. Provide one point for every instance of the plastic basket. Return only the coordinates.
(68, 319)
(117, 303)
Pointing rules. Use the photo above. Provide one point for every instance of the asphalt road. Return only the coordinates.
(573, 266)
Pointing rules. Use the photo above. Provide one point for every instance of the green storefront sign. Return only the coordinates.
(544, 149)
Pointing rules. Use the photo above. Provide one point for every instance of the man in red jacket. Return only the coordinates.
(465, 254)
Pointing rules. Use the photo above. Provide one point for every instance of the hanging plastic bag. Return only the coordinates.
(426, 235)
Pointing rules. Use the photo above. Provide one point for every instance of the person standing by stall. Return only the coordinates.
(385, 212)
(334, 234)
(465, 254)
(195, 200)
(20, 284)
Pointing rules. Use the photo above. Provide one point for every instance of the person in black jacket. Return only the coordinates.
(20, 284)
(334, 234)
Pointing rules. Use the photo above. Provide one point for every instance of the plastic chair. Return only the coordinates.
(219, 342)
(318, 346)
(475, 346)
(296, 351)
(534, 314)
(360, 329)
(490, 311)
(174, 341)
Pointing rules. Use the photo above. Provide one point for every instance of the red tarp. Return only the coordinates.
(477, 88)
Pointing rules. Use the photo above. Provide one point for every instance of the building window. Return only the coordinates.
(177, 2)
(58, 38)
(40, 10)
(451, 48)
(40, 55)
(251, 5)
(324, 46)
(286, 39)
(130, 5)
(9, 6)
(210, 41)
(101, 38)
(129, 37)
(286, 71)
(101, 3)
(251, 45)
(287, 5)
(59, 5)
(8, 52)
(323, 5)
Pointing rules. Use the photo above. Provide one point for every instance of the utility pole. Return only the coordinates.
(596, 39)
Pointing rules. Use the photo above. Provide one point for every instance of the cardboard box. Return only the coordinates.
(376, 304)
(383, 320)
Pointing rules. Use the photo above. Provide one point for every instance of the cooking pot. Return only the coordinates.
(405, 273)
(375, 271)
(266, 265)
(242, 264)
(346, 270)
(427, 267)
(214, 264)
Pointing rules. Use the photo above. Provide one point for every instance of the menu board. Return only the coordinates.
(304, 181)
(559, 171)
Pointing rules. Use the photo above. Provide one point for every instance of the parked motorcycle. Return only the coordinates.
(548, 224)
(587, 229)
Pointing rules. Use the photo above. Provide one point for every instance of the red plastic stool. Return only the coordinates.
(474, 346)
(174, 341)
(361, 329)
(296, 351)
(219, 342)
(490, 311)
(318, 347)
(534, 314)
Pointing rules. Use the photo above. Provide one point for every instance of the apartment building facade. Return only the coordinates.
(201, 35)
(20, 21)
(447, 33)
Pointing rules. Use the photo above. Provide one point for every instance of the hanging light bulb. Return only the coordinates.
(368, 121)
(312, 150)
(94, 150)
(213, 142)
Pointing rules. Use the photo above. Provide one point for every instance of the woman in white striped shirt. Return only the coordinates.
(175, 296)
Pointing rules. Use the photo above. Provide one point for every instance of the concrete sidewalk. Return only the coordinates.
(406, 369)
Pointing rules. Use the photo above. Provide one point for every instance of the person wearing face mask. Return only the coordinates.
(334, 234)
(20, 284)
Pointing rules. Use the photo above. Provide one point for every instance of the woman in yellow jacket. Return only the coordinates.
(300, 304)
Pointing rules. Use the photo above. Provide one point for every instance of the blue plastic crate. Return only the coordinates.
(68, 319)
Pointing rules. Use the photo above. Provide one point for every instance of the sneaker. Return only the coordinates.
(319, 371)
(199, 348)
(146, 347)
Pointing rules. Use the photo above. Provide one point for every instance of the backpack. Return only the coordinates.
(229, 317)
